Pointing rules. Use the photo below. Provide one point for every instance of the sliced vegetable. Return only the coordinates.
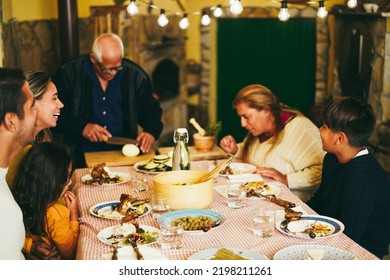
(130, 150)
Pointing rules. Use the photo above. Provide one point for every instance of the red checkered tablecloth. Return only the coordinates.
(234, 232)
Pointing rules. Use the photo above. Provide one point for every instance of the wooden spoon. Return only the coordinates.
(213, 172)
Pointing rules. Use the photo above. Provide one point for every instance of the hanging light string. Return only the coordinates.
(235, 9)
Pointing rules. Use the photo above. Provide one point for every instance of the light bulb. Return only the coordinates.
(352, 4)
(132, 9)
(236, 7)
(162, 19)
(205, 20)
(284, 14)
(218, 11)
(184, 23)
(322, 12)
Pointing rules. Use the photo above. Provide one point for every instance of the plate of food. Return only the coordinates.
(103, 176)
(313, 252)
(236, 168)
(194, 220)
(109, 210)
(227, 254)
(156, 165)
(252, 188)
(128, 253)
(123, 233)
(311, 227)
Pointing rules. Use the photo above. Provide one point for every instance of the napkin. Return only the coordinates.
(245, 178)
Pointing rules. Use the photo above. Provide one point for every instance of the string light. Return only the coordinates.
(218, 11)
(322, 12)
(205, 20)
(162, 19)
(132, 9)
(284, 14)
(352, 4)
(236, 7)
(184, 23)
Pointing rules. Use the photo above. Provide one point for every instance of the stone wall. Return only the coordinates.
(379, 90)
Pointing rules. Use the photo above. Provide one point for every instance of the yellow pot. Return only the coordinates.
(179, 191)
(204, 143)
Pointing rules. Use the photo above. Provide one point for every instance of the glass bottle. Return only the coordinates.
(181, 155)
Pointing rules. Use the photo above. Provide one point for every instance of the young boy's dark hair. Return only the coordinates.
(350, 115)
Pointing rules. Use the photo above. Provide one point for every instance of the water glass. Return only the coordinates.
(236, 196)
(171, 235)
(263, 222)
(160, 205)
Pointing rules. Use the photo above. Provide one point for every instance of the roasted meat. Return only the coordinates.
(98, 172)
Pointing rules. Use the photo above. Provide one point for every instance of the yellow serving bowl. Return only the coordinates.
(180, 190)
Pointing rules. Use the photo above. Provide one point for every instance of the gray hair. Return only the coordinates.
(97, 48)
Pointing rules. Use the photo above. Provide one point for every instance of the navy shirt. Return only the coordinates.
(107, 109)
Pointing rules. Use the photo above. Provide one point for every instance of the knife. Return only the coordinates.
(136, 249)
(116, 140)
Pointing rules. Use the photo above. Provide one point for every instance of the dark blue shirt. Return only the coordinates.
(107, 109)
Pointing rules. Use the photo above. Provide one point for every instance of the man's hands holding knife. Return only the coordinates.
(97, 133)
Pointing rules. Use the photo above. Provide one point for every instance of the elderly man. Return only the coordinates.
(17, 119)
(105, 95)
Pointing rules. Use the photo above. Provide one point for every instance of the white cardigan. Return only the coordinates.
(298, 154)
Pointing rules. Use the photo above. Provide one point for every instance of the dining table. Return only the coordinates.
(234, 232)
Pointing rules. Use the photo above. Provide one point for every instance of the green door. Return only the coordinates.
(278, 55)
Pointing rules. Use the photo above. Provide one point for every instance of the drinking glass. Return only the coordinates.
(236, 195)
(171, 235)
(263, 222)
(160, 205)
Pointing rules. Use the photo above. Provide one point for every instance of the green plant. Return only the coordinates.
(213, 129)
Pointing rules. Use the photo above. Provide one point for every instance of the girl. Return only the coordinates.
(41, 181)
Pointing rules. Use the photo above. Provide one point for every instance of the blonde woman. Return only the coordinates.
(283, 143)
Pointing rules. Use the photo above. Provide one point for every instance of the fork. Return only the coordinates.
(136, 249)
(115, 252)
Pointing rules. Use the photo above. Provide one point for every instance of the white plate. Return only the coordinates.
(240, 168)
(297, 228)
(106, 233)
(126, 177)
(127, 253)
(104, 210)
(299, 252)
(275, 190)
(209, 253)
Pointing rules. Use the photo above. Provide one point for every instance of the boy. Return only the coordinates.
(354, 187)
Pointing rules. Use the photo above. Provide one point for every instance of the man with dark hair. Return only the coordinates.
(354, 187)
(17, 120)
(105, 95)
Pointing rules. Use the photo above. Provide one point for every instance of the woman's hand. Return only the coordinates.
(272, 173)
(228, 144)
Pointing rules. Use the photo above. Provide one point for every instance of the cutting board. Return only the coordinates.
(114, 158)
(215, 153)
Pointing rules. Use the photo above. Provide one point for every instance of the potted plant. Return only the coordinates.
(204, 140)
